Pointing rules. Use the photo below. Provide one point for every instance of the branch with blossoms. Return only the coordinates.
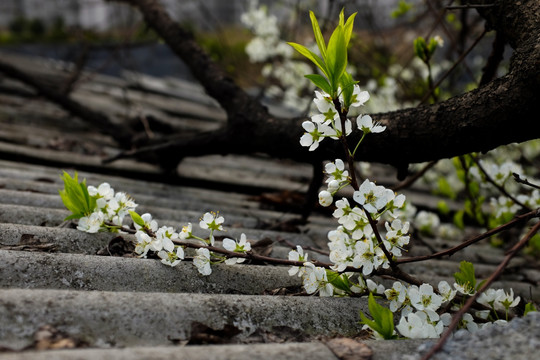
(357, 242)
(371, 235)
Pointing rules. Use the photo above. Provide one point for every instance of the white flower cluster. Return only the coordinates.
(161, 240)
(420, 307)
(354, 242)
(267, 47)
(315, 278)
(327, 122)
(111, 208)
(498, 173)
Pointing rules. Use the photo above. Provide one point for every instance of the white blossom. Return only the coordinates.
(366, 125)
(315, 280)
(241, 246)
(91, 224)
(325, 198)
(171, 258)
(202, 261)
(297, 255)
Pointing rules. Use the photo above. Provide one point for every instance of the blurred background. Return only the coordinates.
(247, 38)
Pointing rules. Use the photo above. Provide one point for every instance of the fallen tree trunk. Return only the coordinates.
(503, 111)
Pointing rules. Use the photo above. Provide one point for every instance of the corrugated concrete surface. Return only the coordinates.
(123, 307)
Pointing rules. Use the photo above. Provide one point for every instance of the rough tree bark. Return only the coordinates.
(503, 111)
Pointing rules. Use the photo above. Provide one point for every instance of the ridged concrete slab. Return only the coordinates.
(65, 240)
(289, 351)
(381, 350)
(105, 319)
(21, 269)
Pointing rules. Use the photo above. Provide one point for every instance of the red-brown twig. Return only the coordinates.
(458, 61)
(490, 180)
(457, 316)
(518, 219)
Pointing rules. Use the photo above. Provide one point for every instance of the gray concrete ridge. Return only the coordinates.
(63, 297)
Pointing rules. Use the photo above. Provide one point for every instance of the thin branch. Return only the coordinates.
(518, 179)
(499, 187)
(495, 275)
(469, 6)
(122, 134)
(394, 273)
(456, 63)
(489, 71)
(411, 180)
(518, 219)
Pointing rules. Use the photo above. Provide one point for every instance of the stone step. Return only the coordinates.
(32, 270)
(120, 319)
(313, 350)
(291, 351)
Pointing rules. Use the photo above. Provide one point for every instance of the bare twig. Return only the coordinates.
(411, 180)
(456, 63)
(517, 220)
(489, 71)
(518, 179)
(469, 6)
(457, 316)
(499, 187)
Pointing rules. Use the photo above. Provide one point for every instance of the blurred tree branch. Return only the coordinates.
(502, 111)
(505, 110)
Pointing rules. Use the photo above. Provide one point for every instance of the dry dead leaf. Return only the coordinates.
(349, 349)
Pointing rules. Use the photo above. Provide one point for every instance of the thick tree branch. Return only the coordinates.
(503, 111)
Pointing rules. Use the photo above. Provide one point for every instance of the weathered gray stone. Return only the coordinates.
(289, 351)
(105, 319)
(65, 240)
(21, 269)
(518, 340)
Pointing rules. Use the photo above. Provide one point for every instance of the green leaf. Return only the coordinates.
(347, 29)
(75, 197)
(443, 207)
(318, 35)
(336, 57)
(347, 89)
(444, 188)
(432, 46)
(383, 319)
(403, 8)
(311, 56)
(321, 82)
(465, 276)
(458, 219)
(339, 281)
(420, 48)
(137, 219)
(529, 307)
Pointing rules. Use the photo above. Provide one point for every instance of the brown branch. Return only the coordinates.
(489, 71)
(408, 182)
(75, 75)
(517, 220)
(119, 133)
(500, 188)
(518, 179)
(494, 276)
(469, 6)
(454, 65)
(453, 127)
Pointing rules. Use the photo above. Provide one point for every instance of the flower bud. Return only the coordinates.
(325, 198)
